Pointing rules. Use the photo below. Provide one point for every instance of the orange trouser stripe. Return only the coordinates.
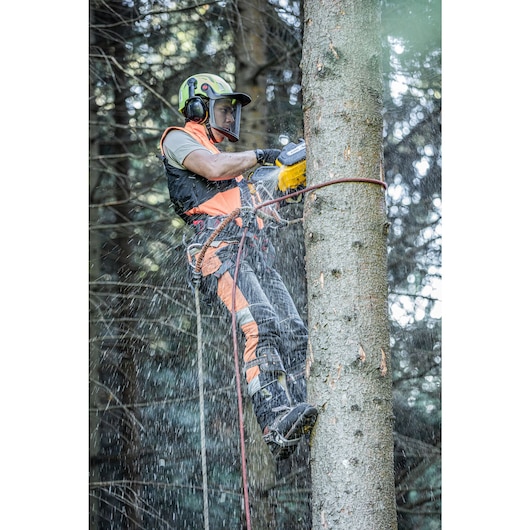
(225, 287)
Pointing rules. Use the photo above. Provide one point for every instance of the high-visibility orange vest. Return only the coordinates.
(193, 195)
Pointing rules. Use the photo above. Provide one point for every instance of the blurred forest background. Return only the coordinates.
(145, 467)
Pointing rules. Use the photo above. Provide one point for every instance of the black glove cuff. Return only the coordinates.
(260, 155)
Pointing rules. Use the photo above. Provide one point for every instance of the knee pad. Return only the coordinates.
(269, 360)
(270, 369)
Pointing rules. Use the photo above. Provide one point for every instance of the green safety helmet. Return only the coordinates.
(197, 98)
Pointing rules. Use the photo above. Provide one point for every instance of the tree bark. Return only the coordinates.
(345, 235)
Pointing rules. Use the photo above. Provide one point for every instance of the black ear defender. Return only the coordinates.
(195, 108)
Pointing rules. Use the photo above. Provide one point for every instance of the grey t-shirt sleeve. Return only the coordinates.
(178, 145)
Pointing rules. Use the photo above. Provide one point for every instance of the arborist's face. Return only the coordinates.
(224, 113)
(224, 118)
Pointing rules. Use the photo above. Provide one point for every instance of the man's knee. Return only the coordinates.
(270, 368)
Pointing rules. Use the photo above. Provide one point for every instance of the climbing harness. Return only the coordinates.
(283, 441)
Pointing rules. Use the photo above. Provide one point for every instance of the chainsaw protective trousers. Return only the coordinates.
(275, 335)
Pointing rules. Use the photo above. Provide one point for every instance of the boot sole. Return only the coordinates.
(304, 424)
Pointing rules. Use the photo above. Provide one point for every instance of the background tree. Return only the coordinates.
(412, 114)
(111, 189)
(142, 311)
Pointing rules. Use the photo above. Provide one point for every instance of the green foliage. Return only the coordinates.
(413, 172)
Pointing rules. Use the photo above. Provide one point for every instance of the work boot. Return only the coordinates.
(287, 429)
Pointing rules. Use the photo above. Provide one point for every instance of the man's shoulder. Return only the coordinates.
(180, 137)
(178, 144)
(180, 134)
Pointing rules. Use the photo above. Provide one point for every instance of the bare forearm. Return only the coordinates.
(220, 166)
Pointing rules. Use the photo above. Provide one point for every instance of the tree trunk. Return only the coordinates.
(114, 359)
(126, 315)
(250, 50)
(345, 235)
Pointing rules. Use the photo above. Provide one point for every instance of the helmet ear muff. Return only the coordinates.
(196, 110)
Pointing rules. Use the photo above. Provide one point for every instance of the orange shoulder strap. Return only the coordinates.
(196, 131)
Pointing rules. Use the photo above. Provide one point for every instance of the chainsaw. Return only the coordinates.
(286, 176)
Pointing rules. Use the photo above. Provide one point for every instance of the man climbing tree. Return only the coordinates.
(345, 233)
(208, 192)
